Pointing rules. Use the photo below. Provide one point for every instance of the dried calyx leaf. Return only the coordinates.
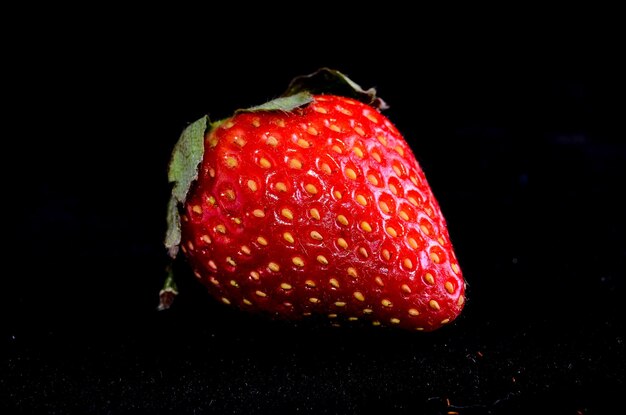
(326, 80)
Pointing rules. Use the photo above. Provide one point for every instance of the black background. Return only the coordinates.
(522, 139)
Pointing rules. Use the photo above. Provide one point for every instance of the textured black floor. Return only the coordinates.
(525, 151)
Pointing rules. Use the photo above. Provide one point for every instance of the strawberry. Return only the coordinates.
(314, 204)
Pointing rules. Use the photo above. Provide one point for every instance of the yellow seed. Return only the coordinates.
(366, 226)
(382, 140)
(228, 124)
(247, 302)
(449, 287)
(342, 220)
(399, 150)
(255, 275)
(320, 110)
(344, 111)
(403, 215)
(337, 194)
(234, 283)
(273, 266)
(407, 263)
(262, 241)
(412, 243)
(322, 260)
(214, 281)
(371, 117)
(260, 293)
(281, 187)
(395, 321)
(393, 189)
(361, 200)
(379, 281)
(372, 179)
(413, 312)
(239, 141)
(212, 139)
(334, 282)
(220, 228)
(406, 288)
(358, 152)
(311, 130)
(211, 200)
(335, 128)
(332, 316)
(367, 311)
(197, 209)
(445, 321)
(258, 213)
(337, 149)
(288, 237)
(342, 243)
(303, 143)
(237, 220)
(429, 278)
(455, 268)
(225, 300)
(414, 180)
(206, 239)
(297, 261)
(310, 188)
(272, 141)
(350, 173)
(359, 296)
(190, 245)
(434, 305)
(412, 200)
(252, 185)
(386, 303)
(363, 252)
(386, 254)
(326, 168)
(383, 206)
(359, 131)
(287, 213)
(316, 235)
(295, 164)
(285, 286)
(315, 214)
(460, 301)
(256, 122)
(376, 157)
(397, 170)
(231, 261)
(375, 323)
(245, 249)
(229, 194)
(231, 162)
(435, 257)
(391, 231)
(340, 304)
(310, 283)
(352, 272)
(424, 229)
(307, 314)
(419, 328)
(314, 300)
(441, 241)
(280, 123)
(265, 163)
(353, 318)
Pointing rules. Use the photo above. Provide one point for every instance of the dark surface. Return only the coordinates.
(525, 151)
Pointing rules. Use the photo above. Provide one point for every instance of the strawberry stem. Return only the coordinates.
(169, 290)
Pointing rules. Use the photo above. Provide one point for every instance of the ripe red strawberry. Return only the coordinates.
(320, 209)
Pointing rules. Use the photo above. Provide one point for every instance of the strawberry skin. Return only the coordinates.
(323, 210)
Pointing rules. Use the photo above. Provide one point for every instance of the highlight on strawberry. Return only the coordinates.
(312, 204)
